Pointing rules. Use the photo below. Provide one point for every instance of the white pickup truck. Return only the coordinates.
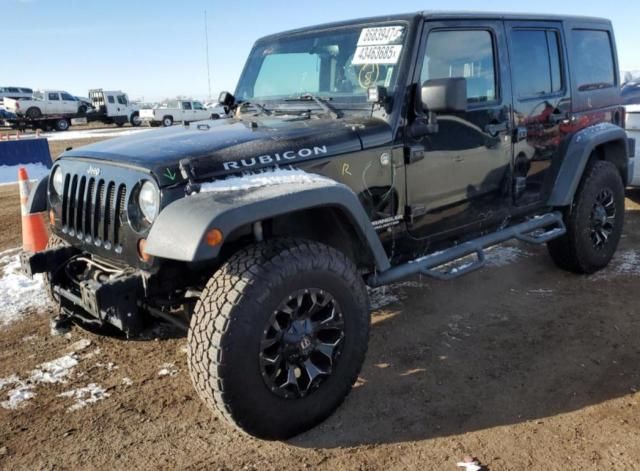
(177, 111)
(633, 130)
(46, 102)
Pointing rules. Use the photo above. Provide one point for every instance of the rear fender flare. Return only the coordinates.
(576, 157)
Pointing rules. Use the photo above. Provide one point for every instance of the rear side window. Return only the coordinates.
(110, 99)
(186, 105)
(54, 97)
(535, 62)
(467, 54)
(593, 59)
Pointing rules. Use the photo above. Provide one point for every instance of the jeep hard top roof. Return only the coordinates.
(446, 15)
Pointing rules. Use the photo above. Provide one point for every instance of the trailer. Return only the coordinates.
(109, 107)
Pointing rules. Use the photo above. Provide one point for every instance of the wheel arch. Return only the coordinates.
(603, 141)
(328, 213)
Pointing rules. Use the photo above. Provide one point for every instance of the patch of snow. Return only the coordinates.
(84, 396)
(502, 255)
(267, 178)
(9, 173)
(55, 371)
(625, 262)
(18, 396)
(168, 369)
(385, 295)
(18, 293)
(127, 381)
(29, 338)
(107, 366)
(9, 380)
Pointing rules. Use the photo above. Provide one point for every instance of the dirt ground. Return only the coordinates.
(521, 365)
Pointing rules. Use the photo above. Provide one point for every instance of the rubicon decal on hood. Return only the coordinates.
(275, 158)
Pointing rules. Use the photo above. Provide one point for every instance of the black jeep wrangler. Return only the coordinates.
(359, 154)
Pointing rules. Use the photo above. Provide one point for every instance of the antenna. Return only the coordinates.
(206, 38)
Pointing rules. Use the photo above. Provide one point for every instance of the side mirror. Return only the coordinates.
(444, 95)
(226, 99)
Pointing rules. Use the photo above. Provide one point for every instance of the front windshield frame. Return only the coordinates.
(249, 74)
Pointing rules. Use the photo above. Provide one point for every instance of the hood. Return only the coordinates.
(228, 146)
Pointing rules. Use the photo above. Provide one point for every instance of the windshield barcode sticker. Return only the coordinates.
(377, 55)
(380, 36)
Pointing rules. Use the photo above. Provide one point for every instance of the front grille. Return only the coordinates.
(92, 210)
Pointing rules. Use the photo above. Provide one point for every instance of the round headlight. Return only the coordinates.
(149, 201)
(58, 181)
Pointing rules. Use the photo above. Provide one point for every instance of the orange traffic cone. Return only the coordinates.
(34, 232)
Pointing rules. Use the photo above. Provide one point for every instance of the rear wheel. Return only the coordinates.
(33, 113)
(62, 124)
(278, 336)
(594, 222)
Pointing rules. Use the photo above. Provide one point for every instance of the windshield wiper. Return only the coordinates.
(322, 103)
(257, 106)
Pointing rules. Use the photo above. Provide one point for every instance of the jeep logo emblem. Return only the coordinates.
(305, 343)
(93, 171)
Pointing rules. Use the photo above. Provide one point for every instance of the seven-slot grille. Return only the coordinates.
(92, 209)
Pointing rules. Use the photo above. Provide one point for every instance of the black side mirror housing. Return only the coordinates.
(444, 95)
(226, 99)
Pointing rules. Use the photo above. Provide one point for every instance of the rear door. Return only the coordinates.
(463, 173)
(541, 103)
(186, 113)
(53, 103)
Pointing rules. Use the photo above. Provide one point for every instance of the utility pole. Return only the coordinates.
(206, 37)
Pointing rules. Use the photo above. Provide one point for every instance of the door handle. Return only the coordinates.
(496, 128)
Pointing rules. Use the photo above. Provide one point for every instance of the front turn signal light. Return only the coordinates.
(213, 237)
(144, 256)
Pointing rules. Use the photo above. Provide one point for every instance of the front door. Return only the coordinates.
(461, 175)
(541, 103)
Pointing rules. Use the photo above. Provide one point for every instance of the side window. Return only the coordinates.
(197, 105)
(593, 59)
(186, 105)
(535, 63)
(122, 100)
(66, 96)
(111, 100)
(467, 54)
(53, 96)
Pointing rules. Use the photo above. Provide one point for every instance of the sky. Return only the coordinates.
(155, 49)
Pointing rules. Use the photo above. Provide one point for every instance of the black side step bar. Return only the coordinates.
(537, 230)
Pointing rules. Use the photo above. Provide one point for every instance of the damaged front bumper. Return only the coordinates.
(91, 299)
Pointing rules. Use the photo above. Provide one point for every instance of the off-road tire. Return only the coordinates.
(33, 113)
(575, 251)
(225, 333)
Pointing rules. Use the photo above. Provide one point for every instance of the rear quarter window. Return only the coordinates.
(593, 59)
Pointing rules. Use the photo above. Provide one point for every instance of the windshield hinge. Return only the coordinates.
(413, 154)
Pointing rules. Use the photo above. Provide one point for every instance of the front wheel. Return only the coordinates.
(135, 120)
(278, 336)
(594, 222)
(167, 121)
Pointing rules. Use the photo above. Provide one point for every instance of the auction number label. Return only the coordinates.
(377, 55)
(380, 35)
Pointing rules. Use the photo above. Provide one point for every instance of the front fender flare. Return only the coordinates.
(577, 155)
(179, 231)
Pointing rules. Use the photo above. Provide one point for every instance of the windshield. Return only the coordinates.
(337, 64)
